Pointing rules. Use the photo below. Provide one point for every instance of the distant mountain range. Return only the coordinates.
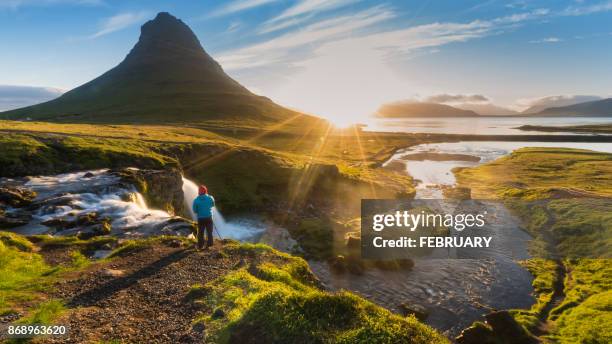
(420, 109)
(410, 108)
(166, 77)
(596, 108)
(487, 109)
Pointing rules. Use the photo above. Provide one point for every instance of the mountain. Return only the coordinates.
(541, 104)
(419, 109)
(166, 77)
(487, 109)
(596, 108)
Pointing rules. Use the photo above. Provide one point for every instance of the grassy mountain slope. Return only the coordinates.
(166, 78)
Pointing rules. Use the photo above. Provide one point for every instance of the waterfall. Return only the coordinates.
(140, 201)
(190, 192)
(243, 230)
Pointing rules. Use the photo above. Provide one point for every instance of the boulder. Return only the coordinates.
(161, 189)
(337, 264)
(355, 266)
(499, 327)
(353, 243)
(419, 311)
(457, 192)
(16, 196)
(10, 221)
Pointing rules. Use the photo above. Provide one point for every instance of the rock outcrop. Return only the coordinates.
(162, 189)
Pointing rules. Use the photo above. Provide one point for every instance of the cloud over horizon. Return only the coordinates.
(13, 97)
(457, 98)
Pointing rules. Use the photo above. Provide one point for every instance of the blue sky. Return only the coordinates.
(332, 57)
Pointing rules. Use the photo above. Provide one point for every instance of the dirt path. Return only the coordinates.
(140, 298)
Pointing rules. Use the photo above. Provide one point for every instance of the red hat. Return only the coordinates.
(202, 190)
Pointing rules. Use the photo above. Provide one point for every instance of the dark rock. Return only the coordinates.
(88, 175)
(500, 327)
(87, 219)
(419, 311)
(353, 242)
(59, 223)
(337, 264)
(16, 196)
(174, 243)
(457, 192)
(7, 222)
(504, 325)
(199, 327)
(161, 189)
(218, 314)
(355, 265)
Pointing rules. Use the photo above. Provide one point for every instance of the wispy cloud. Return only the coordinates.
(119, 22)
(587, 9)
(239, 5)
(457, 98)
(547, 40)
(302, 11)
(282, 47)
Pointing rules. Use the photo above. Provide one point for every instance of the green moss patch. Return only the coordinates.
(277, 301)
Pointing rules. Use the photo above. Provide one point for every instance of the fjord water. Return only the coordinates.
(490, 125)
(431, 174)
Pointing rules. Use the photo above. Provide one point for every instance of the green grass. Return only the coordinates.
(24, 273)
(278, 302)
(563, 198)
(539, 173)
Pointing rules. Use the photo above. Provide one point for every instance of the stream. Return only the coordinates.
(455, 292)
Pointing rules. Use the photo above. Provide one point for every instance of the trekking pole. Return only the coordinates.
(216, 230)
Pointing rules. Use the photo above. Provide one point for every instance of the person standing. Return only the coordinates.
(202, 207)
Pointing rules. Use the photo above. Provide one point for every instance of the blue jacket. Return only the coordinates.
(202, 206)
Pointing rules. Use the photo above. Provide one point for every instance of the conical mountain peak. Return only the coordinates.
(166, 77)
(167, 32)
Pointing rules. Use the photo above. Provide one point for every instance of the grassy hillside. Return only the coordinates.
(277, 173)
(563, 197)
(245, 293)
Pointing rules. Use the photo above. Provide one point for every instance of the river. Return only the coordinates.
(455, 292)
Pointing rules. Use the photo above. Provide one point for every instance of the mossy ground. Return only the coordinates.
(277, 301)
(563, 197)
(273, 297)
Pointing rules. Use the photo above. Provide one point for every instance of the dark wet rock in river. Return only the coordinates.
(355, 265)
(353, 242)
(337, 264)
(16, 196)
(456, 192)
(8, 221)
(499, 327)
(419, 311)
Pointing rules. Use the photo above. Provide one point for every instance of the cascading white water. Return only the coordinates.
(70, 195)
(243, 230)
